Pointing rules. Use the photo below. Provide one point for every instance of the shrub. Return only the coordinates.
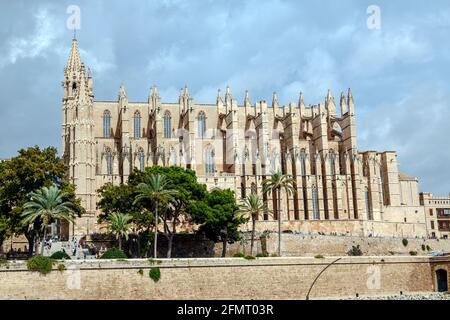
(154, 274)
(113, 253)
(274, 255)
(239, 255)
(141, 272)
(405, 242)
(153, 261)
(3, 262)
(428, 248)
(355, 251)
(262, 255)
(61, 267)
(40, 264)
(59, 255)
(423, 247)
(249, 258)
(413, 253)
(319, 256)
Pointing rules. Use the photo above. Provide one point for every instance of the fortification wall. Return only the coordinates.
(229, 278)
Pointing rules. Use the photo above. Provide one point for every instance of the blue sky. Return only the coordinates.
(399, 74)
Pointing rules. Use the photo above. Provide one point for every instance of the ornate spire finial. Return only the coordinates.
(301, 100)
(228, 95)
(74, 60)
(274, 100)
(247, 102)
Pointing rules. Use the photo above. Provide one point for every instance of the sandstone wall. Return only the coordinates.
(229, 278)
(311, 245)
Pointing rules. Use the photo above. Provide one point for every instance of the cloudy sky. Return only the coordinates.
(399, 73)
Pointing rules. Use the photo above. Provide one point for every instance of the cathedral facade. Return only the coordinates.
(339, 189)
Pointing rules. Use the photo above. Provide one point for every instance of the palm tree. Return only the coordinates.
(120, 226)
(253, 205)
(274, 185)
(47, 205)
(154, 189)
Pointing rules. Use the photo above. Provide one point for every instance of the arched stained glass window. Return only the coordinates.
(106, 124)
(332, 158)
(368, 207)
(209, 160)
(109, 162)
(141, 159)
(303, 162)
(315, 204)
(137, 124)
(167, 125)
(201, 124)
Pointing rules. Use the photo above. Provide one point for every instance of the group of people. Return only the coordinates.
(48, 243)
(80, 245)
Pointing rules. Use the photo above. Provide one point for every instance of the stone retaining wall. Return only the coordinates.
(229, 278)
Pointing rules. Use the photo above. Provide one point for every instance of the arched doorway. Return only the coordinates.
(441, 280)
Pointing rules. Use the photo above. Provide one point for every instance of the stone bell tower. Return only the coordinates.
(78, 143)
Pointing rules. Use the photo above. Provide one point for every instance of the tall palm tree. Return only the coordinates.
(253, 205)
(120, 226)
(47, 205)
(274, 185)
(154, 189)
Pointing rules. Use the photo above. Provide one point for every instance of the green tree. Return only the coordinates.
(120, 225)
(32, 169)
(184, 182)
(219, 217)
(47, 205)
(153, 193)
(274, 185)
(253, 205)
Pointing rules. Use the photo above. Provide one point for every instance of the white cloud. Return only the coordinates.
(43, 37)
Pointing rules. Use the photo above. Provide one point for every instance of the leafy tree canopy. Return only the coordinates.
(218, 215)
(32, 169)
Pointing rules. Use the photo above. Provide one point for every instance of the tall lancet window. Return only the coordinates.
(109, 162)
(315, 204)
(209, 161)
(303, 162)
(332, 159)
(141, 157)
(137, 124)
(201, 124)
(167, 125)
(368, 207)
(106, 124)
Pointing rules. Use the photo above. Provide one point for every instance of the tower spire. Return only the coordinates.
(74, 61)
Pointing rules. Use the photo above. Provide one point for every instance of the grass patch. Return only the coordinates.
(413, 253)
(40, 264)
(155, 274)
(249, 258)
(59, 255)
(239, 255)
(61, 267)
(262, 255)
(423, 247)
(154, 261)
(141, 272)
(319, 256)
(114, 253)
(3, 262)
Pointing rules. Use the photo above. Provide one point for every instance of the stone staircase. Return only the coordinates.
(67, 247)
